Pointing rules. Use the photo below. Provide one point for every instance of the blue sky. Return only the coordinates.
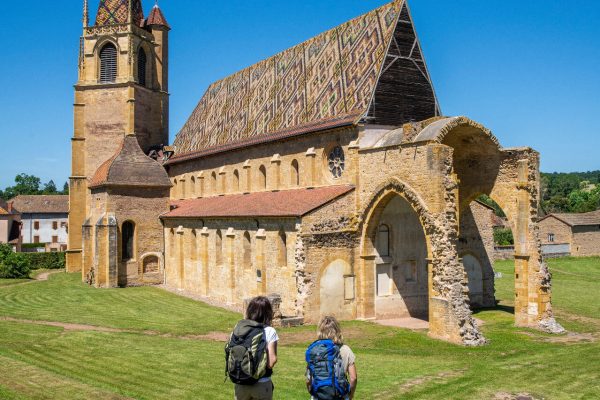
(528, 70)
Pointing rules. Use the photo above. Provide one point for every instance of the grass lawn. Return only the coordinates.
(161, 346)
(8, 282)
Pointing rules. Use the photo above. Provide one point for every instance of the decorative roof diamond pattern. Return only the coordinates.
(332, 74)
(117, 12)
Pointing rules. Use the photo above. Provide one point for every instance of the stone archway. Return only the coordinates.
(448, 306)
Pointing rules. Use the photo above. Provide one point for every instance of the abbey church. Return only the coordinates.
(326, 175)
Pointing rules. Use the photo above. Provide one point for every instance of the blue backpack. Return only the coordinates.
(326, 371)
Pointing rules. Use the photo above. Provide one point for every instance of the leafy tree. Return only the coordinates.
(487, 200)
(50, 188)
(65, 188)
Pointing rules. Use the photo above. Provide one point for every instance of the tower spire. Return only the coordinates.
(86, 15)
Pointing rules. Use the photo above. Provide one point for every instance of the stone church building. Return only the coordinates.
(325, 174)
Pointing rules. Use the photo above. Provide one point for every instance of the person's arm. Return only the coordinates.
(272, 353)
(353, 377)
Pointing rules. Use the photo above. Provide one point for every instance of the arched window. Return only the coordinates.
(262, 177)
(383, 241)
(247, 250)
(295, 174)
(174, 189)
(108, 63)
(127, 240)
(193, 245)
(142, 67)
(236, 181)
(219, 247)
(193, 186)
(282, 248)
(213, 182)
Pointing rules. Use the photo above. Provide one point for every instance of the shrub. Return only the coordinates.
(5, 250)
(45, 260)
(14, 266)
(33, 245)
(503, 237)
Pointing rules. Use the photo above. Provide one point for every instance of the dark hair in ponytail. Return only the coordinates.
(260, 310)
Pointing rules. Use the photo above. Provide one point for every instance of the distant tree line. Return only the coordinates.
(575, 192)
(29, 184)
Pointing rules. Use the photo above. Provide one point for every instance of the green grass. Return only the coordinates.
(9, 282)
(39, 361)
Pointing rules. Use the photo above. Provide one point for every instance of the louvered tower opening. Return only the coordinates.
(108, 64)
(142, 67)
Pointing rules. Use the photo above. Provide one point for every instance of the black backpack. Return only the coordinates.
(326, 371)
(246, 353)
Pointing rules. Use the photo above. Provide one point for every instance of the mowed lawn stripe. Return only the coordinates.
(64, 298)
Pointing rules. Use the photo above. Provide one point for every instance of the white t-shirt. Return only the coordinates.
(270, 337)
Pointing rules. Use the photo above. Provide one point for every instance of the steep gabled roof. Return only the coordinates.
(285, 203)
(117, 12)
(573, 219)
(370, 66)
(157, 17)
(41, 204)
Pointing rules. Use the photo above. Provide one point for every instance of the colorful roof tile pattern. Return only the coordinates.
(329, 75)
(157, 17)
(117, 12)
(285, 203)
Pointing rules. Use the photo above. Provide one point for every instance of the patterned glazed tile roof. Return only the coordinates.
(157, 17)
(41, 204)
(117, 12)
(329, 75)
(130, 167)
(572, 219)
(316, 126)
(285, 203)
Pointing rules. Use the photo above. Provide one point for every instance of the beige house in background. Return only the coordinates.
(571, 234)
(10, 225)
(325, 174)
(44, 220)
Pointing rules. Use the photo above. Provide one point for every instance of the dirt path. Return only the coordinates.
(38, 278)
(214, 336)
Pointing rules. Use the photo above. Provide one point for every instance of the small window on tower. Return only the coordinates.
(108, 63)
(551, 237)
(142, 67)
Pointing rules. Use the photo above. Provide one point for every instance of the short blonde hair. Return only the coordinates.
(329, 328)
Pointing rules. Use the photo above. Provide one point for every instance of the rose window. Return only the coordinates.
(336, 162)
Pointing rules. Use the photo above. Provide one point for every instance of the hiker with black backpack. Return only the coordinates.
(251, 352)
(330, 368)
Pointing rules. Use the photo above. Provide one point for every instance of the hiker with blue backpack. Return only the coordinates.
(330, 368)
(251, 352)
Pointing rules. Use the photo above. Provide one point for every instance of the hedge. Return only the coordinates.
(45, 260)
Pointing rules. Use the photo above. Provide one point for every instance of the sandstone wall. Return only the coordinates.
(586, 241)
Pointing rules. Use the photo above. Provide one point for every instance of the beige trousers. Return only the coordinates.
(258, 391)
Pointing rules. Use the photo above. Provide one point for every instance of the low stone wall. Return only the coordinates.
(504, 252)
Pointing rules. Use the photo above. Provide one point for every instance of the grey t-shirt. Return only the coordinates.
(348, 357)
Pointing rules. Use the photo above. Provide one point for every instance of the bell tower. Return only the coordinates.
(122, 89)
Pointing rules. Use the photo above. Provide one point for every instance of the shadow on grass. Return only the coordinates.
(499, 307)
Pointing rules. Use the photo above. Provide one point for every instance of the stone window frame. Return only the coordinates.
(133, 239)
(388, 232)
(262, 177)
(247, 250)
(551, 237)
(282, 248)
(214, 189)
(235, 181)
(294, 173)
(335, 161)
(103, 46)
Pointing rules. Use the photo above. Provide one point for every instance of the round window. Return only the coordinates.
(336, 161)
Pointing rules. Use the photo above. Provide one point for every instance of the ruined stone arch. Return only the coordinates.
(371, 213)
